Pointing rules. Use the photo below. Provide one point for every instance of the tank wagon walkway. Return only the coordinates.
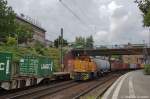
(133, 85)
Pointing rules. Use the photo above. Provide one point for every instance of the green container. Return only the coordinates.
(36, 66)
(45, 67)
(5, 66)
(28, 66)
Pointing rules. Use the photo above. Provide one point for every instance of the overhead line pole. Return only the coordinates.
(61, 50)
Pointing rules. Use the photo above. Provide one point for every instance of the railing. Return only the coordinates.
(121, 46)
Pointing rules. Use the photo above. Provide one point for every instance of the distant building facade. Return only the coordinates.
(49, 43)
(38, 31)
(132, 59)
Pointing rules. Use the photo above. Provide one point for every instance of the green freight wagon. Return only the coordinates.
(36, 66)
(31, 71)
(5, 70)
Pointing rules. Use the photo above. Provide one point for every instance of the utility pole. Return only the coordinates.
(61, 50)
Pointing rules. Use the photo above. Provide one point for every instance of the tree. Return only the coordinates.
(80, 42)
(57, 42)
(7, 20)
(144, 6)
(89, 42)
(10, 27)
(24, 32)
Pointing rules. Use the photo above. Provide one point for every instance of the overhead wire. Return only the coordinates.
(85, 16)
(83, 12)
(73, 13)
(93, 26)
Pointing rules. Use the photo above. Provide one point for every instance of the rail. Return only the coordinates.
(26, 93)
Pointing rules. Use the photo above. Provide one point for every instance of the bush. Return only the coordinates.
(147, 69)
(11, 41)
(19, 52)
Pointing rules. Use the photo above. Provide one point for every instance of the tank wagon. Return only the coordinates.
(103, 66)
(85, 68)
(30, 71)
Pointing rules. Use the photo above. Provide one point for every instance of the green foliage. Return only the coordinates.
(82, 42)
(144, 6)
(89, 42)
(53, 53)
(147, 69)
(147, 19)
(116, 56)
(9, 25)
(7, 20)
(57, 42)
(39, 47)
(38, 44)
(11, 41)
(17, 52)
(24, 32)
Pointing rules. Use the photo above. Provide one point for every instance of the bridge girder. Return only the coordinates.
(109, 52)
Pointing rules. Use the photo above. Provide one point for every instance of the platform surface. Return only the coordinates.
(133, 85)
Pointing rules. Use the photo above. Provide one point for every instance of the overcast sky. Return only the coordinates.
(109, 21)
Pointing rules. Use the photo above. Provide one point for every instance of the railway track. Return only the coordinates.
(76, 92)
(68, 90)
(97, 90)
(25, 93)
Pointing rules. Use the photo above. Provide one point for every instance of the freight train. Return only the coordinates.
(85, 68)
(33, 70)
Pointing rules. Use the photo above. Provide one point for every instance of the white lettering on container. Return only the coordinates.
(2, 66)
(51, 66)
(22, 60)
(45, 66)
(7, 67)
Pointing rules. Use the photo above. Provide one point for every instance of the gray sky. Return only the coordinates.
(109, 21)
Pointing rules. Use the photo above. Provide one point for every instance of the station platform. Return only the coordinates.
(133, 85)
